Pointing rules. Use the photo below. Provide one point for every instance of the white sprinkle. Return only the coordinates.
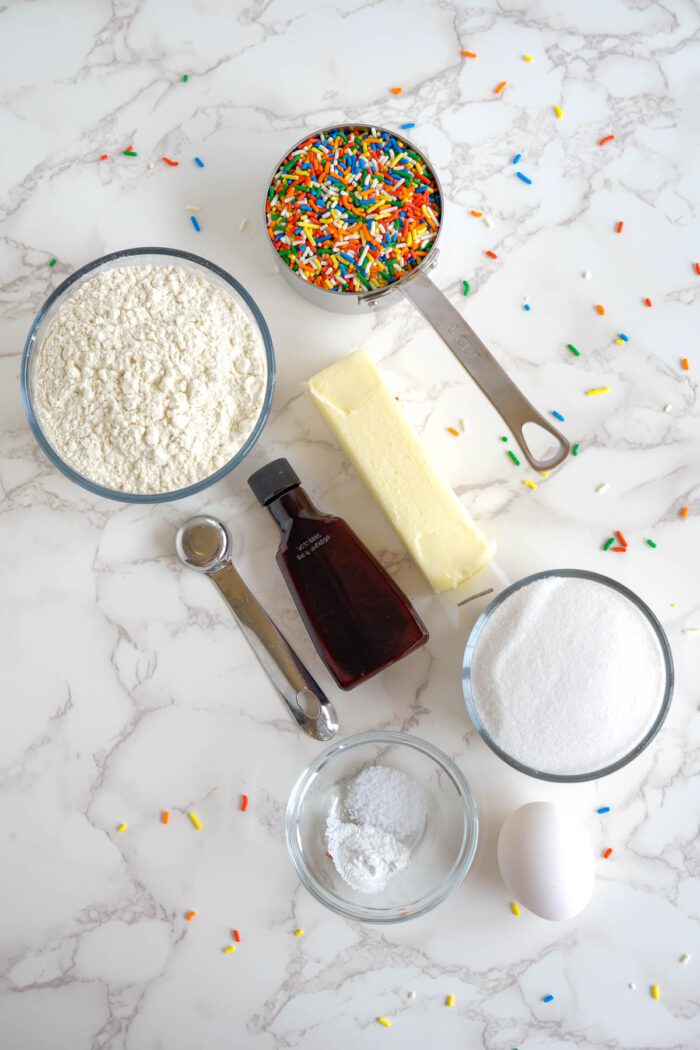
(463, 425)
(192, 207)
(667, 408)
(412, 995)
(632, 985)
(526, 299)
(691, 631)
(604, 487)
(586, 275)
(488, 222)
(685, 958)
(244, 223)
(151, 166)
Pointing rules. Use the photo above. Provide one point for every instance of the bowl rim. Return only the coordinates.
(567, 778)
(465, 855)
(143, 497)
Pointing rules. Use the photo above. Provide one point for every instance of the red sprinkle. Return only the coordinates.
(618, 228)
(621, 538)
(619, 550)
(648, 302)
(103, 156)
(608, 852)
(236, 935)
(608, 138)
(685, 364)
(492, 255)
(697, 268)
(244, 803)
(172, 163)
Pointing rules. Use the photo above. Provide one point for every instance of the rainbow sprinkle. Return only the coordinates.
(515, 908)
(405, 127)
(608, 543)
(524, 178)
(52, 262)
(195, 819)
(572, 348)
(548, 999)
(129, 153)
(185, 77)
(353, 209)
(384, 1021)
(559, 112)
(650, 543)
(575, 449)
(514, 458)
(516, 158)
(199, 162)
(122, 827)
(558, 415)
(467, 287)
(655, 992)
(598, 390)
(449, 1000)
(603, 809)
(195, 223)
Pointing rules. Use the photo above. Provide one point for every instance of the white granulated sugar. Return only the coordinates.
(388, 799)
(567, 675)
(149, 379)
(364, 857)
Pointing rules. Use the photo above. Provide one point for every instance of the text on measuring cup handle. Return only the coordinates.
(462, 343)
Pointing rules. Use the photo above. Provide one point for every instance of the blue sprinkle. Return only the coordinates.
(558, 415)
(199, 162)
(404, 127)
(527, 307)
(516, 158)
(548, 999)
(195, 223)
(603, 809)
(524, 178)
(624, 337)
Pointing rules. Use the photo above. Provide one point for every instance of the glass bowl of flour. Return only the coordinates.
(381, 827)
(148, 375)
(567, 675)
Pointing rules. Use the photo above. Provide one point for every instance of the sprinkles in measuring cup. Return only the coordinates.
(353, 209)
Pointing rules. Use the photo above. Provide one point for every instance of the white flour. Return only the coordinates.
(149, 379)
(382, 806)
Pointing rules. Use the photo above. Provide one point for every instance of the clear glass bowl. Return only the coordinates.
(573, 778)
(143, 257)
(440, 857)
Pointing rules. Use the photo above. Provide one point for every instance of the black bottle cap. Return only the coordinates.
(272, 481)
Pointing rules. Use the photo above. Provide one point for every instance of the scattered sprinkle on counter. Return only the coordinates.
(685, 364)
(608, 543)
(558, 112)
(411, 995)
(242, 225)
(696, 267)
(129, 153)
(603, 809)
(516, 158)
(189, 915)
(449, 1000)
(299, 932)
(122, 827)
(619, 550)
(195, 224)
(195, 819)
(468, 54)
(648, 302)
(685, 958)
(558, 415)
(165, 816)
(524, 178)
(632, 986)
(513, 456)
(527, 308)
(406, 127)
(491, 255)
(453, 431)
(691, 632)
(530, 484)
(504, 438)
(499, 87)
(527, 58)
(171, 163)
(683, 512)
(572, 348)
(244, 803)
(548, 999)
(467, 287)
(586, 275)
(396, 90)
(463, 425)
(650, 543)
(575, 449)
(601, 309)
(603, 487)
(192, 207)
(104, 156)
(623, 337)
(199, 162)
(607, 852)
(515, 907)
(229, 948)
(236, 936)
(667, 408)
(488, 222)
(595, 390)
(655, 992)
(618, 228)
(384, 1021)
(52, 262)
(621, 538)
(606, 139)
(185, 77)
(476, 214)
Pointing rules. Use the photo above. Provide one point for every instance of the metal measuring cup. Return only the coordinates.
(511, 404)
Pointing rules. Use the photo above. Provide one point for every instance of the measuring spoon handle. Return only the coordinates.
(513, 407)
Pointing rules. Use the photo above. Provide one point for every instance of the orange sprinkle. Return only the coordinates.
(684, 512)
(648, 302)
(697, 268)
(608, 138)
(619, 550)
(600, 309)
(608, 852)
(165, 816)
(478, 214)
(189, 915)
(396, 90)
(499, 87)
(103, 156)
(453, 431)
(172, 163)
(244, 803)
(236, 935)
(468, 54)
(492, 255)
(622, 539)
(618, 228)
(685, 364)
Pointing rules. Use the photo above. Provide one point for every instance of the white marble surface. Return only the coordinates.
(126, 687)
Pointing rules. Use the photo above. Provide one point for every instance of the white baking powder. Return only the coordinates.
(381, 807)
(567, 675)
(149, 378)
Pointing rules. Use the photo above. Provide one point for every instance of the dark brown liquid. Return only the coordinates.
(358, 619)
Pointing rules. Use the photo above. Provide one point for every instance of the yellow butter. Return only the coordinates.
(389, 457)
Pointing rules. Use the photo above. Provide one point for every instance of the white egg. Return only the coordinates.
(546, 860)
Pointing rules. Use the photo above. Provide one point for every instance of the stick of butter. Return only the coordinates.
(387, 454)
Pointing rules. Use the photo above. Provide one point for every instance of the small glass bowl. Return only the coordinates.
(143, 257)
(441, 856)
(571, 778)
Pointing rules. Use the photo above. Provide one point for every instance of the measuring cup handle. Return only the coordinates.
(513, 407)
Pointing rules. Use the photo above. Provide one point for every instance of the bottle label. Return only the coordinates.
(310, 544)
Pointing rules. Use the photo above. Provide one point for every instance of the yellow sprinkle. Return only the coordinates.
(530, 484)
(528, 58)
(298, 933)
(655, 992)
(515, 908)
(598, 390)
(229, 948)
(195, 819)
(450, 1000)
(384, 1021)
(122, 827)
(544, 473)
(559, 112)
(619, 342)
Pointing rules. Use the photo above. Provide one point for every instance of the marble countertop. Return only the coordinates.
(126, 686)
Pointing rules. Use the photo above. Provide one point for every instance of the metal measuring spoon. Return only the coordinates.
(204, 544)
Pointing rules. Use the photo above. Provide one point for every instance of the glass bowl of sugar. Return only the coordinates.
(567, 675)
(381, 827)
(148, 375)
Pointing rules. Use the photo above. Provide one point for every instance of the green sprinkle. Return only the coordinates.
(514, 458)
(572, 348)
(608, 545)
(575, 448)
(185, 77)
(52, 262)
(467, 287)
(130, 153)
(650, 543)
(504, 438)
